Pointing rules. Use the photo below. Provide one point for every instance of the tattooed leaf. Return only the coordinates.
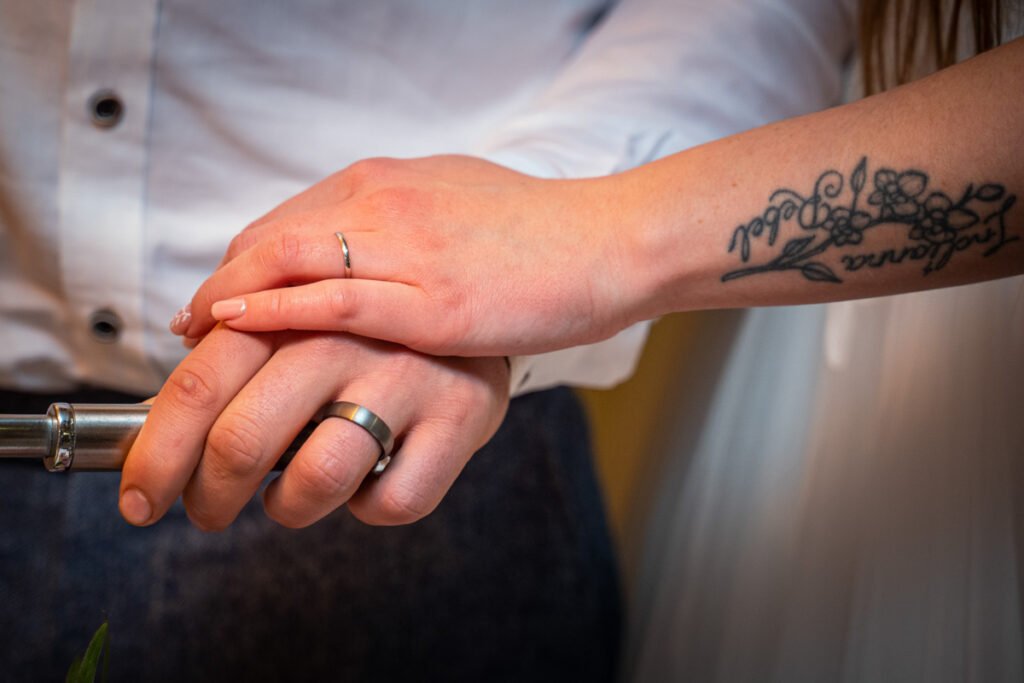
(946, 252)
(859, 174)
(961, 219)
(990, 192)
(794, 247)
(819, 273)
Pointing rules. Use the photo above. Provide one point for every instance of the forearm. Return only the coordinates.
(911, 189)
(656, 77)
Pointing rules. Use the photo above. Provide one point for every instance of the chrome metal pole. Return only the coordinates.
(24, 436)
(86, 436)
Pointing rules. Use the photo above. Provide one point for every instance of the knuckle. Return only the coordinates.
(430, 237)
(367, 170)
(322, 346)
(240, 242)
(458, 412)
(194, 386)
(275, 304)
(234, 447)
(398, 201)
(338, 303)
(329, 476)
(284, 251)
(403, 365)
(397, 366)
(327, 481)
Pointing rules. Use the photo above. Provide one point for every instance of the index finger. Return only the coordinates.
(291, 256)
(168, 448)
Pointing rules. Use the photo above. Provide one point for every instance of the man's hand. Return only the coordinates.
(449, 255)
(231, 408)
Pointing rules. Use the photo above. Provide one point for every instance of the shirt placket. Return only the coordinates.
(102, 186)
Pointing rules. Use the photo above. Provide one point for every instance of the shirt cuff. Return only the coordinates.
(595, 366)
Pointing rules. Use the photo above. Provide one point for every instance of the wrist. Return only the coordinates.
(672, 210)
(608, 218)
(644, 242)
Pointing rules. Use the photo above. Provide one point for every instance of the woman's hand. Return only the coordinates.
(232, 407)
(449, 255)
(455, 255)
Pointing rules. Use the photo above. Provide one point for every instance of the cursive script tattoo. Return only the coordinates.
(937, 227)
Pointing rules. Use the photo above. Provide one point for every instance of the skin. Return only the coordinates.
(456, 256)
(234, 404)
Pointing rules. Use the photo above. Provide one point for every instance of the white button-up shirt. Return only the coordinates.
(230, 107)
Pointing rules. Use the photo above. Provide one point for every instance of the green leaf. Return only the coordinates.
(73, 675)
(83, 669)
(819, 273)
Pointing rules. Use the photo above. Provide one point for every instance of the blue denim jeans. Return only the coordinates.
(512, 578)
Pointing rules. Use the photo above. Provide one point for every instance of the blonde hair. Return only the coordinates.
(896, 34)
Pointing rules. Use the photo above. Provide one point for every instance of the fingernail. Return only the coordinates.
(181, 320)
(135, 507)
(229, 309)
(190, 342)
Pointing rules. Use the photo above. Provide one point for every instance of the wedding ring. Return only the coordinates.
(371, 422)
(344, 252)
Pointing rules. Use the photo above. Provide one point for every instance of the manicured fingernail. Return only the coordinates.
(229, 309)
(181, 320)
(135, 507)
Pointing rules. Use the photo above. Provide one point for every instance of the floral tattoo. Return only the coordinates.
(936, 226)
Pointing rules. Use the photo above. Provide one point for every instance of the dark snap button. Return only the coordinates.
(106, 109)
(105, 325)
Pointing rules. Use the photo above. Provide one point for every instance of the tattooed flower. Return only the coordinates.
(897, 192)
(845, 226)
(940, 221)
(938, 227)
